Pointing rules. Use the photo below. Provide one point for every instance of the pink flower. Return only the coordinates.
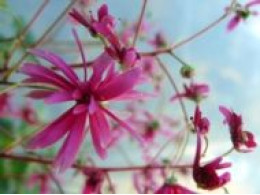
(104, 26)
(195, 92)
(239, 137)
(202, 124)
(206, 176)
(173, 188)
(146, 181)
(105, 84)
(4, 104)
(103, 23)
(242, 13)
(41, 179)
(94, 182)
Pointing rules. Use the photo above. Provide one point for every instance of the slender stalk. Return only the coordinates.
(139, 23)
(183, 108)
(43, 161)
(193, 36)
(110, 184)
(19, 39)
(39, 41)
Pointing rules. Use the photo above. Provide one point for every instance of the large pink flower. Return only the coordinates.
(242, 13)
(103, 85)
(239, 137)
(206, 176)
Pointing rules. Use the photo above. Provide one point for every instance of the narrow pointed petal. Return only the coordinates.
(59, 96)
(119, 85)
(97, 136)
(71, 145)
(124, 124)
(233, 23)
(252, 3)
(134, 95)
(58, 62)
(39, 94)
(103, 62)
(40, 72)
(53, 132)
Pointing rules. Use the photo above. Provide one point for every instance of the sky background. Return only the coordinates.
(229, 62)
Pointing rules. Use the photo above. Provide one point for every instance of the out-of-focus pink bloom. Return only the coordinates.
(241, 13)
(42, 180)
(88, 96)
(174, 188)
(239, 137)
(146, 181)
(206, 176)
(129, 31)
(200, 123)
(195, 92)
(159, 40)
(94, 182)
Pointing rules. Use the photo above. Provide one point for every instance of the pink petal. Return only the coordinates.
(96, 133)
(124, 124)
(53, 132)
(226, 112)
(59, 96)
(102, 11)
(39, 94)
(233, 23)
(134, 95)
(103, 62)
(253, 3)
(119, 85)
(58, 62)
(39, 72)
(71, 146)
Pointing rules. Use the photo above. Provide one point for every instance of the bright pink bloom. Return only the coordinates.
(195, 92)
(206, 176)
(104, 84)
(239, 137)
(4, 104)
(94, 182)
(104, 26)
(42, 180)
(242, 13)
(103, 23)
(174, 188)
(201, 124)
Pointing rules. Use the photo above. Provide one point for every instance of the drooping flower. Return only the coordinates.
(104, 26)
(146, 181)
(174, 188)
(103, 23)
(195, 92)
(243, 141)
(200, 123)
(94, 182)
(104, 84)
(242, 12)
(206, 176)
